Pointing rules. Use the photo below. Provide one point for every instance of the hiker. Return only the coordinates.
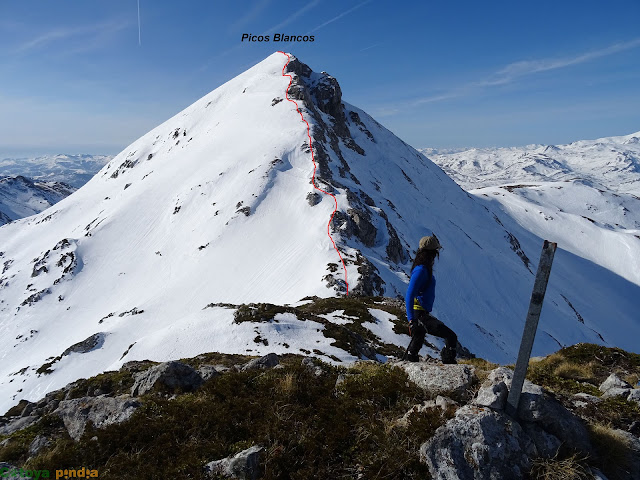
(419, 302)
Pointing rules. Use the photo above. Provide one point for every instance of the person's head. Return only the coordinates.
(428, 251)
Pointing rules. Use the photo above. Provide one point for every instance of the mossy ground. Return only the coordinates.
(309, 428)
(354, 307)
(581, 368)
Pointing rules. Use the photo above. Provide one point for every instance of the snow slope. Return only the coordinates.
(217, 205)
(21, 197)
(74, 170)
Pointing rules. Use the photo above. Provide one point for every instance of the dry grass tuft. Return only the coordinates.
(287, 385)
(574, 371)
(613, 451)
(574, 467)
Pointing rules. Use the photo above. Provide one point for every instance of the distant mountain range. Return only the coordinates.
(612, 163)
(74, 170)
(585, 195)
(31, 185)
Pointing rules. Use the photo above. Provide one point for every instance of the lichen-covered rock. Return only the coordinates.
(634, 396)
(537, 407)
(310, 365)
(546, 443)
(492, 396)
(478, 443)
(268, 361)
(16, 424)
(584, 399)
(616, 392)
(101, 411)
(450, 380)
(613, 381)
(38, 443)
(169, 376)
(208, 371)
(420, 408)
(243, 465)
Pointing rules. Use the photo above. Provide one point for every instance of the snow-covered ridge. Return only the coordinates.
(216, 206)
(585, 195)
(610, 162)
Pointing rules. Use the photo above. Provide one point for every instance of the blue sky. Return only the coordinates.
(73, 77)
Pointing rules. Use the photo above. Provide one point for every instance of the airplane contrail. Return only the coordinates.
(139, 32)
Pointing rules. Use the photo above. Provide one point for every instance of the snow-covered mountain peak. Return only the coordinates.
(222, 204)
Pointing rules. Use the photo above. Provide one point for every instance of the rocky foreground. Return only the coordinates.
(231, 416)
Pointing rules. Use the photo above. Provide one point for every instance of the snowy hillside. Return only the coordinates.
(21, 197)
(612, 163)
(216, 208)
(74, 170)
(584, 195)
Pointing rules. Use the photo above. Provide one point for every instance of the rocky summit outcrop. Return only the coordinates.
(479, 443)
(483, 442)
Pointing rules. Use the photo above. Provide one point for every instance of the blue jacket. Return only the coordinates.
(421, 288)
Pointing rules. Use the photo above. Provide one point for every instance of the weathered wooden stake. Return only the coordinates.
(531, 325)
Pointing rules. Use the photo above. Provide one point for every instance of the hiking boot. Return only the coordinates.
(413, 357)
(448, 356)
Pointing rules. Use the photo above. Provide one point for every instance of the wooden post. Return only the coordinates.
(531, 325)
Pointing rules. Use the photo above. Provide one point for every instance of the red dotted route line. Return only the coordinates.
(286, 93)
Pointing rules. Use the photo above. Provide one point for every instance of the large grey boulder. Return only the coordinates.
(169, 375)
(243, 465)
(102, 411)
(478, 443)
(613, 381)
(492, 396)
(268, 361)
(208, 371)
(450, 380)
(537, 407)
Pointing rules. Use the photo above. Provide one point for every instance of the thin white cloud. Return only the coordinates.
(90, 32)
(517, 70)
(294, 16)
(371, 46)
(338, 17)
(528, 67)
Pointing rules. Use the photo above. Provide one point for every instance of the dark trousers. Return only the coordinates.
(424, 323)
